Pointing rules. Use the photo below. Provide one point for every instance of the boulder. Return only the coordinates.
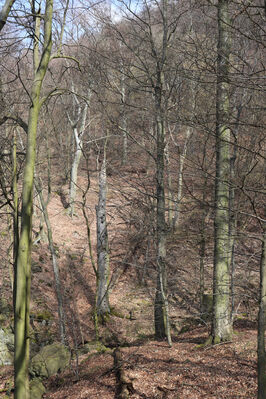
(37, 389)
(6, 347)
(50, 360)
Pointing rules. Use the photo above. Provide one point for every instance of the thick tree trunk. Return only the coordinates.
(23, 267)
(262, 323)
(102, 296)
(222, 322)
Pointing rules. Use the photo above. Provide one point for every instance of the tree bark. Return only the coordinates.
(5, 12)
(161, 313)
(262, 323)
(23, 267)
(58, 289)
(102, 296)
(222, 322)
(78, 133)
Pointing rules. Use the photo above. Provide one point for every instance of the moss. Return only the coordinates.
(44, 315)
(208, 341)
(116, 313)
(216, 340)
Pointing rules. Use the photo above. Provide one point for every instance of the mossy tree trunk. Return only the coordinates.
(262, 323)
(23, 266)
(222, 322)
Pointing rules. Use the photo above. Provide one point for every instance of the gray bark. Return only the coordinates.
(5, 12)
(222, 322)
(102, 296)
(161, 311)
(262, 323)
(78, 138)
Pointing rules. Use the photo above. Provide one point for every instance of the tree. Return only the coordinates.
(103, 270)
(5, 12)
(262, 322)
(23, 265)
(222, 325)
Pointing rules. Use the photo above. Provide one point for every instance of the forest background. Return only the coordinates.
(141, 125)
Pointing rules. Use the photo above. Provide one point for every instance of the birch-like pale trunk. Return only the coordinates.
(103, 270)
(222, 322)
(78, 138)
(74, 172)
(177, 202)
(124, 121)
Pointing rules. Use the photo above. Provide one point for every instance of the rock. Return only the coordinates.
(6, 347)
(50, 360)
(92, 347)
(37, 389)
(5, 307)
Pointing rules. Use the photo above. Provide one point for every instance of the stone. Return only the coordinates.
(50, 360)
(6, 347)
(92, 347)
(37, 388)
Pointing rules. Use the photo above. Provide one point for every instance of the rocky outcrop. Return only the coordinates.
(37, 389)
(50, 360)
(6, 347)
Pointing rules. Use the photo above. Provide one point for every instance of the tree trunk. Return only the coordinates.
(222, 322)
(102, 296)
(74, 173)
(23, 267)
(78, 134)
(58, 289)
(161, 314)
(182, 159)
(262, 323)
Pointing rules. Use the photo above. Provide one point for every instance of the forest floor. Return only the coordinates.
(187, 370)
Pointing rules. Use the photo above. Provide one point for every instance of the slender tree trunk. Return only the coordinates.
(102, 296)
(15, 212)
(124, 121)
(58, 289)
(23, 267)
(203, 242)
(78, 133)
(182, 159)
(262, 323)
(161, 312)
(222, 322)
(74, 173)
